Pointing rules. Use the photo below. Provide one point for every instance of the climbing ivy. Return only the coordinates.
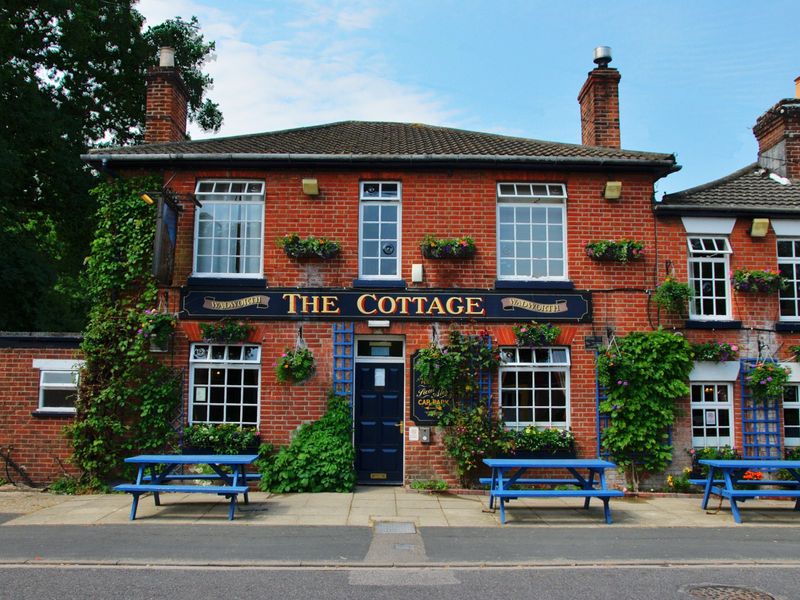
(126, 398)
(644, 374)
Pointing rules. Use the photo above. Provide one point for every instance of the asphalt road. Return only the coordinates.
(567, 583)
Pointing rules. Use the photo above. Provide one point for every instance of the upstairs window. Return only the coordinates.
(229, 228)
(531, 234)
(379, 230)
(708, 277)
(789, 267)
(791, 415)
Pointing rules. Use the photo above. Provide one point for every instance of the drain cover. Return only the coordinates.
(393, 527)
(727, 592)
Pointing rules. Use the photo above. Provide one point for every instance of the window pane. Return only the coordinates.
(52, 398)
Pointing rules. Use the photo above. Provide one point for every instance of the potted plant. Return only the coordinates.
(715, 352)
(536, 334)
(223, 438)
(672, 296)
(157, 327)
(699, 471)
(766, 381)
(460, 247)
(295, 366)
(622, 251)
(225, 331)
(766, 281)
(533, 442)
(310, 247)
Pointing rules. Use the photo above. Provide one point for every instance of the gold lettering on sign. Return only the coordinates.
(259, 301)
(512, 303)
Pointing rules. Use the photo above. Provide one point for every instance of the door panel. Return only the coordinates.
(379, 422)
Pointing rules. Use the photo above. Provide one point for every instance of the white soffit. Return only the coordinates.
(715, 371)
(708, 225)
(52, 364)
(786, 227)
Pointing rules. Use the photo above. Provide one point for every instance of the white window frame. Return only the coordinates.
(792, 291)
(706, 441)
(206, 198)
(226, 363)
(533, 195)
(381, 200)
(794, 405)
(57, 366)
(512, 361)
(715, 250)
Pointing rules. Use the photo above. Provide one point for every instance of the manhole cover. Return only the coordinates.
(727, 592)
(392, 527)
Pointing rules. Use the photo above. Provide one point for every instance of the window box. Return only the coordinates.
(225, 331)
(462, 247)
(534, 454)
(767, 282)
(621, 251)
(310, 247)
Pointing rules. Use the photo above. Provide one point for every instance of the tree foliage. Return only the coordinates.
(127, 399)
(71, 77)
(644, 375)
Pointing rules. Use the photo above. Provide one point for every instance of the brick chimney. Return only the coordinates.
(599, 100)
(778, 135)
(167, 101)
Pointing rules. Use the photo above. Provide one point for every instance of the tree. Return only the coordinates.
(72, 76)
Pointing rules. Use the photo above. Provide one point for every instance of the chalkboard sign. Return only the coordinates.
(423, 399)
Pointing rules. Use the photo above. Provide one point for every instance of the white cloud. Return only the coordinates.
(304, 72)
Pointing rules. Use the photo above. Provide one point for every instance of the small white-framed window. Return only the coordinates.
(789, 267)
(712, 411)
(229, 228)
(791, 415)
(708, 277)
(534, 387)
(225, 383)
(379, 229)
(531, 231)
(58, 384)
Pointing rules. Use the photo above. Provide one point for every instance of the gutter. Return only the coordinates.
(728, 211)
(667, 165)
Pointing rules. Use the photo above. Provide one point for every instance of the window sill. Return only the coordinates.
(695, 324)
(501, 284)
(227, 282)
(58, 414)
(788, 326)
(380, 283)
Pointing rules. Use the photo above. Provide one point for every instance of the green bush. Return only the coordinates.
(221, 439)
(67, 485)
(319, 458)
(436, 485)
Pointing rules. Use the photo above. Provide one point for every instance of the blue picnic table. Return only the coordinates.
(157, 475)
(507, 477)
(724, 475)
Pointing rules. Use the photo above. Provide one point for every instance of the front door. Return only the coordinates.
(379, 422)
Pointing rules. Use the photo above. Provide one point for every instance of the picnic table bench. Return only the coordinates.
(156, 476)
(729, 473)
(507, 476)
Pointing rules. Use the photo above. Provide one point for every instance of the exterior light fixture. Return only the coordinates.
(311, 187)
(147, 198)
(375, 324)
(416, 273)
(759, 228)
(613, 190)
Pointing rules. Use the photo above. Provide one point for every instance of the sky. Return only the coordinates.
(695, 74)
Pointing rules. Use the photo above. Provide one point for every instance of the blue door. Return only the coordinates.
(379, 423)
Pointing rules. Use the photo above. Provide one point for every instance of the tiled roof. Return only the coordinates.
(348, 140)
(751, 189)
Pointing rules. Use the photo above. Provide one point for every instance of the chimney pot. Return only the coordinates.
(166, 56)
(602, 56)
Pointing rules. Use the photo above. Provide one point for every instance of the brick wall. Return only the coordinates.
(166, 106)
(599, 102)
(35, 442)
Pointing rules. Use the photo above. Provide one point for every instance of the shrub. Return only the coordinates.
(680, 484)
(620, 251)
(461, 247)
(319, 458)
(225, 331)
(715, 351)
(722, 453)
(470, 435)
(310, 247)
(672, 296)
(223, 438)
(295, 366)
(436, 485)
(67, 485)
(534, 334)
(533, 439)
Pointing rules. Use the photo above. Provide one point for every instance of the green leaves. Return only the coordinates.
(644, 374)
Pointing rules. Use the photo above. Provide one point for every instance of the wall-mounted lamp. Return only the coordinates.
(147, 199)
(311, 187)
(613, 190)
(759, 228)
(416, 273)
